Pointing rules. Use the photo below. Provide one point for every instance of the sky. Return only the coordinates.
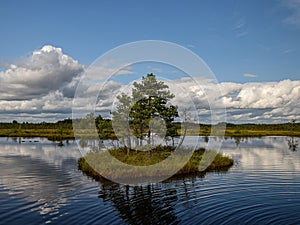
(252, 47)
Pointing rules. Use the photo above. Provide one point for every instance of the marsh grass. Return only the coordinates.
(90, 163)
(54, 131)
(260, 133)
(51, 134)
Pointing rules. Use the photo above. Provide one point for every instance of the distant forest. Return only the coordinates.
(64, 129)
(67, 124)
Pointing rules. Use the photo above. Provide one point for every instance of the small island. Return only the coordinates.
(139, 120)
(148, 113)
(221, 163)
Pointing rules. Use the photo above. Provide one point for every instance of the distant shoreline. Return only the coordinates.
(63, 130)
(55, 135)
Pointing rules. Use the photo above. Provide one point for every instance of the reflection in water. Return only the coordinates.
(293, 144)
(43, 183)
(37, 173)
(262, 188)
(40, 184)
(264, 153)
(142, 204)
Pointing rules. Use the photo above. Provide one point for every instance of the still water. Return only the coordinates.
(40, 184)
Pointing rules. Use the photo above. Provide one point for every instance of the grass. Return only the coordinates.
(90, 164)
(260, 133)
(67, 134)
(58, 131)
(244, 132)
(51, 134)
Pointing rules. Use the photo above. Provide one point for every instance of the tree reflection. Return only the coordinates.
(293, 144)
(237, 141)
(149, 204)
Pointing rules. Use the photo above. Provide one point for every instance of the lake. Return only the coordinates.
(40, 184)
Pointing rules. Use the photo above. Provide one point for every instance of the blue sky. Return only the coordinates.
(233, 37)
(252, 47)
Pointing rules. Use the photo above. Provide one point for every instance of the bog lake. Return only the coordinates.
(40, 184)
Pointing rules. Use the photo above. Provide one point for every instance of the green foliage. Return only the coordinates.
(104, 127)
(121, 120)
(53, 131)
(147, 109)
(63, 129)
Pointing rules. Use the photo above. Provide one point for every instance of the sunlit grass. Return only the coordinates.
(51, 134)
(90, 164)
(260, 133)
(244, 130)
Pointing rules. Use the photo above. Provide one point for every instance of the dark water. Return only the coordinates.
(40, 183)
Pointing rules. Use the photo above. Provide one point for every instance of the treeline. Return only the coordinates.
(59, 130)
(66, 124)
(64, 128)
(105, 125)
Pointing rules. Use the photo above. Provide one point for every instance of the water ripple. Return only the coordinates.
(41, 184)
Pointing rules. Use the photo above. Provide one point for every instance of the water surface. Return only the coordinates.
(40, 183)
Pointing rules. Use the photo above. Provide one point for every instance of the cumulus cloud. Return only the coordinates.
(258, 102)
(45, 70)
(261, 95)
(267, 101)
(54, 102)
(42, 86)
(270, 102)
(38, 85)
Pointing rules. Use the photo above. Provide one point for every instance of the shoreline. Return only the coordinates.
(67, 134)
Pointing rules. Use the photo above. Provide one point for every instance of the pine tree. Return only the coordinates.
(150, 99)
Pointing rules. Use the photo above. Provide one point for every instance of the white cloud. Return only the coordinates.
(249, 75)
(249, 102)
(42, 86)
(262, 95)
(45, 70)
(267, 101)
